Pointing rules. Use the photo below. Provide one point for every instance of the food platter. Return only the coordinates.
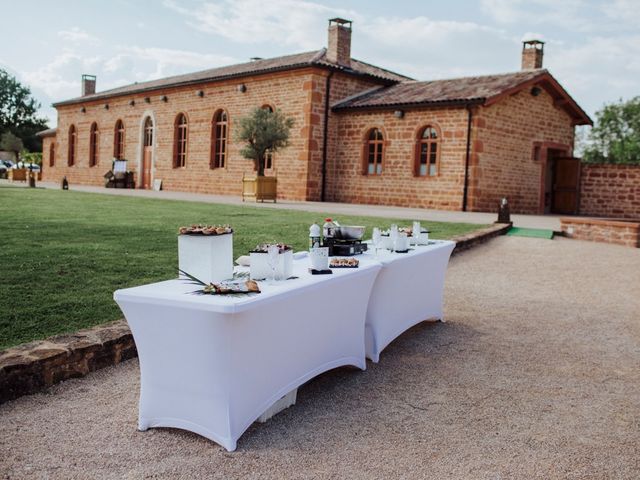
(341, 262)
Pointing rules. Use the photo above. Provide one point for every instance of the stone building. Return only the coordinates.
(362, 134)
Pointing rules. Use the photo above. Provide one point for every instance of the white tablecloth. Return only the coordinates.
(407, 291)
(214, 364)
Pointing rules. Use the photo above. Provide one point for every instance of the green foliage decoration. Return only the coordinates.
(263, 131)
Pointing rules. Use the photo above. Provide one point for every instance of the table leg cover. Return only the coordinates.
(215, 373)
(408, 290)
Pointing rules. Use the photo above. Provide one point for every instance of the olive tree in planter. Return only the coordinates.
(263, 132)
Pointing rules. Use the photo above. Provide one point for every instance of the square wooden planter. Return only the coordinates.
(256, 188)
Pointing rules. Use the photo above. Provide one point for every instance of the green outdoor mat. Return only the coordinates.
(530, 232)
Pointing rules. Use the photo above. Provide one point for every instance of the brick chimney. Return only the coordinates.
(88, 84)
(339, 49)
(532, 53)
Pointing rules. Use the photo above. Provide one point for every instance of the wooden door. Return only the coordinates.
(566, 185)
(146, 168)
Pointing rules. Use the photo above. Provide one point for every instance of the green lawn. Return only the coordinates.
(64, 253)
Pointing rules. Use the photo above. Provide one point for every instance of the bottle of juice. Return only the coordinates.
(328, 229)
(314, 236)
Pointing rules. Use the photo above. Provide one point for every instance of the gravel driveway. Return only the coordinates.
(536, 374)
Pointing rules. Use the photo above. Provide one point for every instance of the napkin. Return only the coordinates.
(243, 260)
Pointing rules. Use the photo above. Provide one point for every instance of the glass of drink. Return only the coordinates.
(273, 252)
(376, 237)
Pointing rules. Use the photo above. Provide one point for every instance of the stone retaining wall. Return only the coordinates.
(478, 237)
(35, 366)
(602, 230)
(610, 191)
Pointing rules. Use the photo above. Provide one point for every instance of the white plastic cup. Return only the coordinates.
(319, 257)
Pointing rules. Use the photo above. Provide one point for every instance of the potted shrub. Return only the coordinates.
(262, 132)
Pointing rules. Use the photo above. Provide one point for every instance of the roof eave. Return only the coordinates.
(105, 95)
(432, 104)
(49, 132)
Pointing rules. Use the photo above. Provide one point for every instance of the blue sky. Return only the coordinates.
(593, 47)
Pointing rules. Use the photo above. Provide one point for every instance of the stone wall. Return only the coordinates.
(290, 91)
(610, 191)
(599, 230)
(34, 366)
(502, 161)
(398, 185)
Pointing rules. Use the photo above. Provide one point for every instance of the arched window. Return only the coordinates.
(268, 158)
(52, 154)
(219, 135)
(180, 141)
(374, 148)
(148, 132)
(118, 140)
(427, 152)
(73, 136)
(93, 145)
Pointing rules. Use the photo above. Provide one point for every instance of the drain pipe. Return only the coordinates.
(324, 136)
(466, 159)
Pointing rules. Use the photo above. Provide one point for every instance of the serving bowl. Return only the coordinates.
(350, 232)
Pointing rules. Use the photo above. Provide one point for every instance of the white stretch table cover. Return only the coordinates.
(214, 364)
(407, 291)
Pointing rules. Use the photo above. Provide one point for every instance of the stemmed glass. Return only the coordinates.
(273, 252)
(376, 237)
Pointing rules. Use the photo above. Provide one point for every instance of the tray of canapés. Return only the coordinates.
(264, 248)
(199, 229)
(344, 262)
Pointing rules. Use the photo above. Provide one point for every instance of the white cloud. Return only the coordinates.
(150, 63)
(54, 77)
(425, 48)
(598, 68)
(625, 11)
(60, 78)
(277, 22)
(75, 34)
(564, 13)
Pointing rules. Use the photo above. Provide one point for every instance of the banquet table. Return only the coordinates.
(408, 290)
(212, 364)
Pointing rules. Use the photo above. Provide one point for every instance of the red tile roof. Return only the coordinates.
(288, 62)
(462, 91)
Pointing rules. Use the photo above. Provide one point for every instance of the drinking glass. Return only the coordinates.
(273, 252)
(376, 237)
(415, 233)
(393, 233)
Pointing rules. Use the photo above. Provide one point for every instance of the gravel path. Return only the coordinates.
(536, 374)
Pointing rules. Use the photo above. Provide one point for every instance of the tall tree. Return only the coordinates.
(263, 131)
(615, 138)
(19, 111)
